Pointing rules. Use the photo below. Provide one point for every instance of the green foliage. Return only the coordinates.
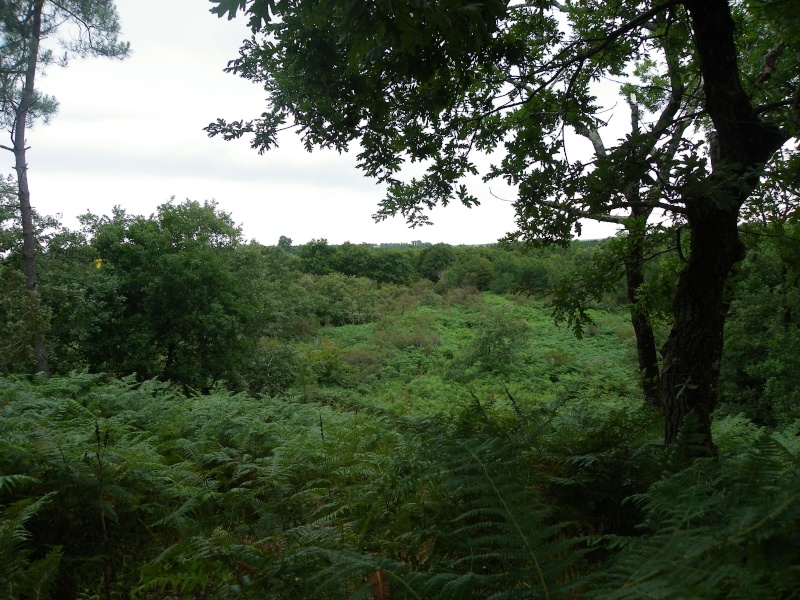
(152, 493)
(341, 300)
(760, 371)
(285, 244)
(449, 446)
(500, 340)
(324, 363)
(10, 232)
(277, 303)
(176, 296)
(457, 78)
(392, 266)
(20, 324)
(83, 296)
(26, 52)
(434, 260)
(595, 277)
(240, 308)
(475, 541)
(273, 368)
(470, 270)
(422, 360)
(503, 269)
(718, 529)
(399, 299)
(183, 308)
(23, 317)
(97, 473)
(441, 84)
(415, 329)
(19, 578)
(315, 257)
(364, 260)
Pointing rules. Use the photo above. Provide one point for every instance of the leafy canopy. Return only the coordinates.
(432, 83)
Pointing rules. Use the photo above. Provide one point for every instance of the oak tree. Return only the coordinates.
(713, 85)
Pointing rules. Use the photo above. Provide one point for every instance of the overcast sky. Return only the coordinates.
(130, 133)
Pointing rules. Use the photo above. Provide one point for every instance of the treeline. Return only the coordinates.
(181, 296)
(495, 268)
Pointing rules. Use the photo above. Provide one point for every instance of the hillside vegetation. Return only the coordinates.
(229, 420)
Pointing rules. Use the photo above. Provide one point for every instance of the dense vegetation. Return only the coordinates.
(710, 96)
(233, 420)
(229, 420)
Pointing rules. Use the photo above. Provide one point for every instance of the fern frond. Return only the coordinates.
(17, 574)
(40, 577)
(10, 483)
(717, 529)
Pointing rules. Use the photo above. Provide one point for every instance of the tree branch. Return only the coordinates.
(582, 214)
(769, 64)
(626, 28)
(593, 136)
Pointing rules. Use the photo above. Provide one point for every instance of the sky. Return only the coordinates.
(130, 133)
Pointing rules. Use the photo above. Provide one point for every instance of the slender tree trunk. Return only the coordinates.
(693, 349)
(640, 318)
(21, 167)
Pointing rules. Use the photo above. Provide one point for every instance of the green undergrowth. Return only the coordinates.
(426, 359)
(456, 446)
(117, 489)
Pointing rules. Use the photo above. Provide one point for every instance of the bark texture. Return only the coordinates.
(21, 167)
(645, 339)
(693, 349)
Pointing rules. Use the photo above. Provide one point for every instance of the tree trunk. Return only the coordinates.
(693, 349)
(21, 167)
(645, 339)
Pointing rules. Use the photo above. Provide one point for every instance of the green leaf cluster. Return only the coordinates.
(760, 370)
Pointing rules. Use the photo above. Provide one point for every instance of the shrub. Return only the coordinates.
(500, 339)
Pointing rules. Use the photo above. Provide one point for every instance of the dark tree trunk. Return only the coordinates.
(693, 349)
(21, 167)
(640, 318)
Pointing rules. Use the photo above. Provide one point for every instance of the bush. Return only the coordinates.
(414, 329)
(501, 338)
(341, 300)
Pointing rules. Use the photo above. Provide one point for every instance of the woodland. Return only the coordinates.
(226, 419)
(187, 414)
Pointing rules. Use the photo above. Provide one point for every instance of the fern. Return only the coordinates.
(10, 483)
(19, 577)
(718, 529)
(104, 478)
(481, 530)
(501, 535)
(228, 496)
